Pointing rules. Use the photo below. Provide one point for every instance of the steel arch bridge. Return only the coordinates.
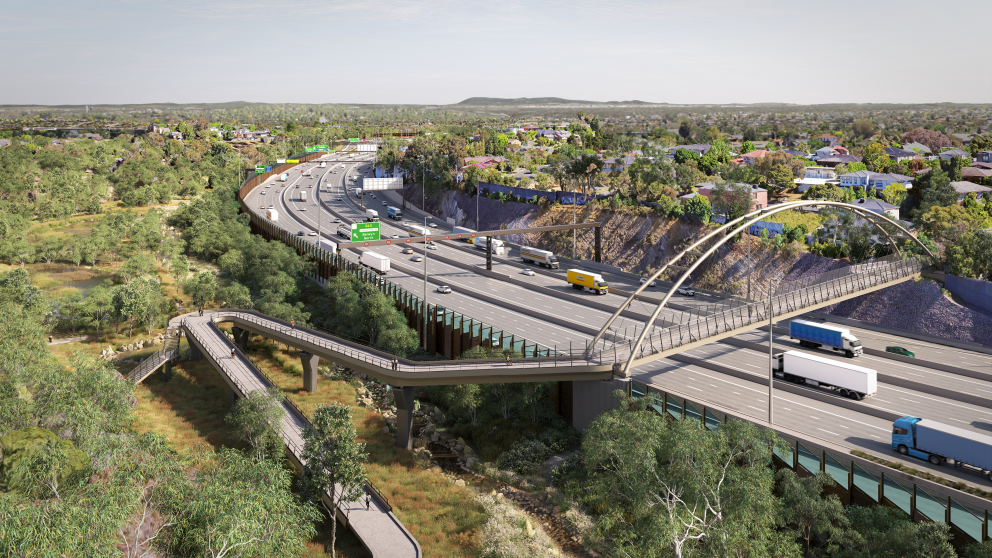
(720, 236)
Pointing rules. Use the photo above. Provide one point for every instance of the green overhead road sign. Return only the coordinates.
(364, 232)
(318, 148)
(259, 168)
(354, 139)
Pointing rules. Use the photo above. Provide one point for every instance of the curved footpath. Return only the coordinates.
(378, 529)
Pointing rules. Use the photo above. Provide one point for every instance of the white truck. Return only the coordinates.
(308, 172)
(323, 164)
(272, 214)
(303, 195)
(284, 177)
(376, 262)
(344, 231)
(480, 242)
(328, 245)
(849, 380)
(371, 215)
(540, 257)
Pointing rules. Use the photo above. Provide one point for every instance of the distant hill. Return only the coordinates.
(488, 101)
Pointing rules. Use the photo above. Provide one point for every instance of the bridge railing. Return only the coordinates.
(169, 351)
(815, 292)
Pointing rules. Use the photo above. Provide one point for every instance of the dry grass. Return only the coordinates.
(444, 519)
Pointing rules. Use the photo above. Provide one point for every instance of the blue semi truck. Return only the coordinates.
(394, 213)
(814, 335)
(938, 443)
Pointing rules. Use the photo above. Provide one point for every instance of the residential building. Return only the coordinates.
(896, 154)
(985, 157)
(964, 188)
(821, 172)
(918, 148)
(947, 155)
(880, 181)
(825, 152)
(93, 136)
(484, 162)
(965, 139)
(4, 142)
(752, 157)
(878, 206)
(856, 179)
(828, 139)
(700, 148)
(975, 174)
(176, 135)
(759, 196)
(838, 160)
(687, 197)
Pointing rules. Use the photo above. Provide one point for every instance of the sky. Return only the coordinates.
(443, 51)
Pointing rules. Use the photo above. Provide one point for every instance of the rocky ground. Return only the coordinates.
(120, 355)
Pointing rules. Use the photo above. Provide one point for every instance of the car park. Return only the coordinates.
(529, 272)
(686, 291)
(444, 289)
(900, 351)
(652, 284)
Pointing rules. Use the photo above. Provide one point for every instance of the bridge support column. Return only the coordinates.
(403, 396)
(240, 338)
(489, 253)
(310, 374)
(233, 399)
(599, 235)
(168, 371)
(194, 351)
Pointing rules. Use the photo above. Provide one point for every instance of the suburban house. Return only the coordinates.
(878, 206)
(947, 155)
(4, 142)
(752, 157)
(856, 179)
(975, 174)
(825, 152)
(176, 135)
(625, 161)
(917, 147)
(92, 136)
(880, 181)
(964, 188)
(821, 172)
(965, 139)
(759, 196)
(700, 148)
(985, 157)
(838, 160)
(687, 197)
(828, 139)
(896, 154)
(484, 162)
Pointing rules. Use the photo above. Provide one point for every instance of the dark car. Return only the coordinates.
(900, 351)
(301, 233)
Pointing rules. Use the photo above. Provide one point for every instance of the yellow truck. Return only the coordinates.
(584, 280)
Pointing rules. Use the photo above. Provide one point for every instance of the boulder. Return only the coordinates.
(459, 482)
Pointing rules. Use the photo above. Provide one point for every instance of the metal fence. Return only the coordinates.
(169, 351)
(817, 290)
(858, 481)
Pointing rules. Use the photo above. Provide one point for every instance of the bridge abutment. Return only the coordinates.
(310, 375)
(592, 398)
(240, 338)
(404, 415)
(167, 375)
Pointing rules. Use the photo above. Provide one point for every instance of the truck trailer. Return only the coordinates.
(344, 231)
(394, 213)
(376, 262)
(466, 232)
(284, 177)
(498, 249)
(584, 280)
(323, 164)
(303, 195)
(540, 257)
(417, 230)
(272, 214)
(371, 215)
(814, 335)
(937, 443)
(849, 380)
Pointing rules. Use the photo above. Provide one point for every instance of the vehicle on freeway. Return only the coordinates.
(272, 214)
(338, 199)
(344, 231)
(528, 272)
(937, 443)
(393, 213)
(466, 232)
(540, 257)
(416, 230)
(284, 177)
(342, 166)
(652, 284)
(444, 289)
(900, 351)
(376, 262)
(584, 280)
(498, 248)
(303, 196)
(371, 215)
(372, 196)
(335, 220)
(685, 291)
(303, 209)
(323, 164)
(312, 233)
(431, 246)
(385, 204)
(394, 236)
(262, 206)
(417, 258)
(272, 207)
(814, 335)
(278, 191)
(406, 250)
(432, 225)
(849, 380)
(301, 233)
(262, 193)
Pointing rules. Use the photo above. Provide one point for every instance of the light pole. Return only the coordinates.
(426, 239)
(771, 342)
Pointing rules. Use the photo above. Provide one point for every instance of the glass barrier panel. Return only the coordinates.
(866, 482)
(930, 506)
(693, 411)
(448, 318)
(656, 399)
(476, 330)
(836, 469)
(785, 454)
(809, 460)
(673, 405)
(967, 518)
(896, 494)
(497, 336)
(637, 390)
(485, 332)
(507, 341)
(518, 346)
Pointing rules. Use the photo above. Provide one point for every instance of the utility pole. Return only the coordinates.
(426, 237)
(771, 342)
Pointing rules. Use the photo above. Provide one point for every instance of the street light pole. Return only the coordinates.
(426, 232)
(771, 342)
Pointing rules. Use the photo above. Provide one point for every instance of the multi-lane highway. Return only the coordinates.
(732, 373)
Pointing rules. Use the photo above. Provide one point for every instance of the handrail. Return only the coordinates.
(155, 360)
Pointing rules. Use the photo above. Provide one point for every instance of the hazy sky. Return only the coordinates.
(442, 51)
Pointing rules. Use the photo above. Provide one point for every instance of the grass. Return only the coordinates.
(795, 218)
(444, 519)
(958, 485)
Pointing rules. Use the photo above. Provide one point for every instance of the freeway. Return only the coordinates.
(743, 390)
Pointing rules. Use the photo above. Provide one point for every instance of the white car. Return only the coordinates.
(528, 272)
(384, 204)
(406, 250)
(312, 233)
(645, 280)
(432, 224)
(417, 258)
(444, 289)
(303, 209)
(431, 245)
(687, 291)
(335, 220)
(394, 236)
(272, 207)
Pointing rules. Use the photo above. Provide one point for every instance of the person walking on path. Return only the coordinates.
(232, 353)
(368, 502)
(507, 359)
(201, 312)
(292, 324)
(49, 339)
(395, 363)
